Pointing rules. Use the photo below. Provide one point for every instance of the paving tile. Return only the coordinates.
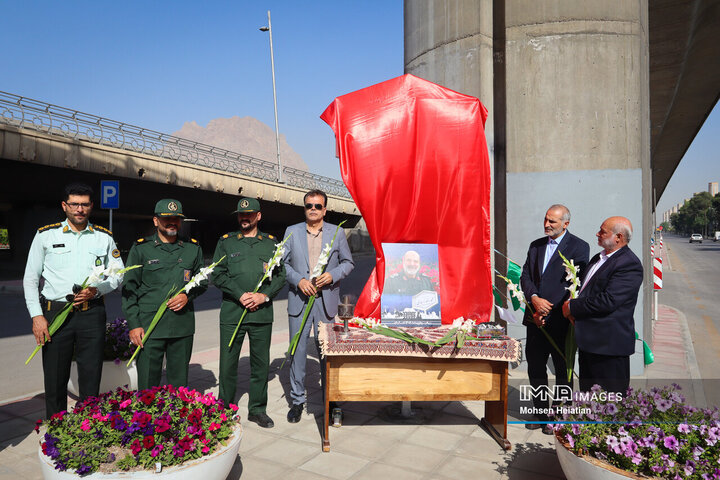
(25, 445)
(335, 465)
(535, 457)
(414, 457)
(14, 428)
(253, 440)
(472, 410)
(434, 438)
(253, 468)
(375, 471)
(361, 444)
(454, 423)
(463, 468)
(379, 427)
(298, 474)
(535, 475)
(287, 452)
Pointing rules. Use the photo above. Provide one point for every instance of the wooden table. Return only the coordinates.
(407, 378)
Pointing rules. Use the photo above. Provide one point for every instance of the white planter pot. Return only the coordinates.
(113, 376)
(215, 466)
(580, 468)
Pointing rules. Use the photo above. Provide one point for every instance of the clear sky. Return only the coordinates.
(160, 64)
(699, 166)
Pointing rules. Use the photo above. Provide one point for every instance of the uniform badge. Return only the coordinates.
(265, 265)
(116, 253)
(154, 261)
(244, 204)
(58, 245)
(186, 275)
(172, 206)
(98, 261)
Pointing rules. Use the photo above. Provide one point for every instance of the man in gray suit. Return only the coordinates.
(301, 255)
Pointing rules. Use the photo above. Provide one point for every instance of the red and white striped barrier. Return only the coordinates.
(657, 273)
(652, 250)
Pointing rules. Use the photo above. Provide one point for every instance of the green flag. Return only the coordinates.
(498, 297)
(513, 273)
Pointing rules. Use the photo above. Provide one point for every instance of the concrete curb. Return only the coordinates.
(694, 368)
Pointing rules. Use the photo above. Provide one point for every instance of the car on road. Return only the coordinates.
(696, 237)
(716, 238)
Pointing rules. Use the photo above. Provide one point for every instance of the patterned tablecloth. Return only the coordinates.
(360, 341)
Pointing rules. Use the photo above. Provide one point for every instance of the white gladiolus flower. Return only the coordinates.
(96, 276)
(322, 261)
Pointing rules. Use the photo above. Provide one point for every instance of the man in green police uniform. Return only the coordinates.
(64, 254)
(167, 261)
(246, 255)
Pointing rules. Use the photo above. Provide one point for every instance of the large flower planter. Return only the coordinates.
(113, 376)
(211, 467)
(587, 468)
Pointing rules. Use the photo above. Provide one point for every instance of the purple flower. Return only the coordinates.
(663, 405)
(697, 451)
(178, 451)
(613, 443)
(611, 409)
(60, 466)
(684, 428)
(570, 440)
(689, 467)
(83, 470)
(575, 429)
(671, 443)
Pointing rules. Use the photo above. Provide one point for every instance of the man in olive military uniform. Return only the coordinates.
(410, 281)
(64, 254)
(167, 262)
(247, 253)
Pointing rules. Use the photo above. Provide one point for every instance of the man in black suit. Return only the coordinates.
(603, 311)
(543, 283)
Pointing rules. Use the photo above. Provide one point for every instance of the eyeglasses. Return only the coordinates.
(318, 206)
(77, 205)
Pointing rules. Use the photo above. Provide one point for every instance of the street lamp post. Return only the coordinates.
(272, 66)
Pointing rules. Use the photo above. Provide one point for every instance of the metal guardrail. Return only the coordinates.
(32, 114)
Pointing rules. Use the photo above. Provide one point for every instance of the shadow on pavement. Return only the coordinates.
(18, 420)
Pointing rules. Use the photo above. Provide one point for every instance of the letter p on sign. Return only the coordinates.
(110, 194)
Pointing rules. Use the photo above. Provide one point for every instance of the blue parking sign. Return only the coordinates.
(110, 194)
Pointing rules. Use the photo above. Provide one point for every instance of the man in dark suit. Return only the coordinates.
(603, 311)
(543, 282)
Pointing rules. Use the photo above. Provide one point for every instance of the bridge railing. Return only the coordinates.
(32, 114)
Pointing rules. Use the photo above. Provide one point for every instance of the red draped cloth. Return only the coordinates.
(414, 158)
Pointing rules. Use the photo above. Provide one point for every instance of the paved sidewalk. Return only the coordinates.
(446, 444)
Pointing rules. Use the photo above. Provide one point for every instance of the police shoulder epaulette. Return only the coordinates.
(49, 227)
(140, 240)
(194, 241)
(271, 237)
(102, 229)
(226, 235)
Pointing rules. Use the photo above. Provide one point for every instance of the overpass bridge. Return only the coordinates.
(45, 146)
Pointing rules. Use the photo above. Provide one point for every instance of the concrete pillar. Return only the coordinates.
(577, 110)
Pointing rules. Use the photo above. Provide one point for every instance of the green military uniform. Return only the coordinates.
(164, 266)
(64, 257)
(401, 284)
(245, 262)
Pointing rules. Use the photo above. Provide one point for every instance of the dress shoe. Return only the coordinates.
(295, 413)
(261, 419)
(547, 429)
(533, 426)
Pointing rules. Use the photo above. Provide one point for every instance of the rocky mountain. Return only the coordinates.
(246, 135)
